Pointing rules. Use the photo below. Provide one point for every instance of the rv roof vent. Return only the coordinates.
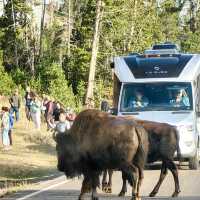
(161, 52)
(133, 54)
(166, 45)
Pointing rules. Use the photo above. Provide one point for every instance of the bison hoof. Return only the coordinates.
(109, 189)
(80, 198)
(135, 197)
(152, 194)
(175, 194)
(121, 194)
(104, 187)
(95, 198)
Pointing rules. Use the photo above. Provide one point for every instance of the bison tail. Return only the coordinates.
(177, 144)
(142, 151)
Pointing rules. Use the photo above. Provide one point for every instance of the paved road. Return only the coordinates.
(62, 189)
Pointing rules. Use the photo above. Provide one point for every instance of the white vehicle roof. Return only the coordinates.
(155, 68)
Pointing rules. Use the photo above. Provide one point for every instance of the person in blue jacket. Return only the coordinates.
(11, 123)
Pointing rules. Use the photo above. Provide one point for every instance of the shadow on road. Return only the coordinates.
(157, 166)
(73, 195)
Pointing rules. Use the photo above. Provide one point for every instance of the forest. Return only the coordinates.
(64, 48)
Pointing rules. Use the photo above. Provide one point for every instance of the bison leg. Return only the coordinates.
(94, 194)
(95, 184)
(141, 177)
(86, 187)
(109, 186)
(135, 195)
(104, 181)
(173, 168)
(124, 186)
(162, 177)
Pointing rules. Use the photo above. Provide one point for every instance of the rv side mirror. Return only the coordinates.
(105, 106)
(112, 65)
(113, 111)
(198, 113)
(197, 109)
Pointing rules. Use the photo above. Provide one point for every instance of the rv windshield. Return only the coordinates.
(156, 96)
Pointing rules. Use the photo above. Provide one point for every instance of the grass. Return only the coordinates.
(32, 155)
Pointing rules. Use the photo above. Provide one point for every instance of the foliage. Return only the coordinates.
(6, 82)
(58, 87)
(127, 26)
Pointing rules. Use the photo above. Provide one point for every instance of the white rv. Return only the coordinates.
(162, 85)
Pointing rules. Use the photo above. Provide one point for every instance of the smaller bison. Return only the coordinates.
(163, 143)
(98, 141)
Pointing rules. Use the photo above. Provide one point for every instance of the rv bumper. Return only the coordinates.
(188, 149)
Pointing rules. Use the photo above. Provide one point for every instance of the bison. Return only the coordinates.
(163, 142)
(98, 141)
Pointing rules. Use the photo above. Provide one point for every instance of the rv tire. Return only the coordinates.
(194, 161)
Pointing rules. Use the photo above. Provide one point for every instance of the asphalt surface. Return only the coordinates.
(62, 189)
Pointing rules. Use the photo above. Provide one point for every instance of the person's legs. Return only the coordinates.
(17, 113)
(33, 117)
(10, 136)
(49, 119)
(38, 120)
(27, 111)
(5, 136)
(11, 110)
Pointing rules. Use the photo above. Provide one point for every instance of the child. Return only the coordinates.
(5, 125)
(70, 116)
(63, 124)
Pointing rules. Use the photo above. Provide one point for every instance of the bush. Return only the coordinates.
(52, 82)
(6, 82)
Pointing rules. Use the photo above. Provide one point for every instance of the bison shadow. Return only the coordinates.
(157, 166)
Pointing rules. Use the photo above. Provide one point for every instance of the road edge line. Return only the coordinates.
(43, 190)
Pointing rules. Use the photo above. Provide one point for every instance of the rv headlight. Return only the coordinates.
(189, 143)
(186, 128)
(189, 128)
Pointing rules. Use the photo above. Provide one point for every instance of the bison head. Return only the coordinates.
(67, 154)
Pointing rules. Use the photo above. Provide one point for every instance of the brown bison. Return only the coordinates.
(163, 142)
(98, 141)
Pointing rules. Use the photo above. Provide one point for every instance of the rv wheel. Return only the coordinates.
(194, 162)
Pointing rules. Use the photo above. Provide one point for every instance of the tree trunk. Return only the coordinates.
(193, 15)
(42, 29)
(14, 26)
(89, 101)
(4, 4)
(66, 36)
(69, 28)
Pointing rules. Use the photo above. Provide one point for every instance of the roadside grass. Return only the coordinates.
(32, 155)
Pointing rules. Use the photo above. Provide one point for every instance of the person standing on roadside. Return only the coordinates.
(15, 102)
(11, 124)
(5, 125)
(28, 100)
(35, 110)
(49, 112)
